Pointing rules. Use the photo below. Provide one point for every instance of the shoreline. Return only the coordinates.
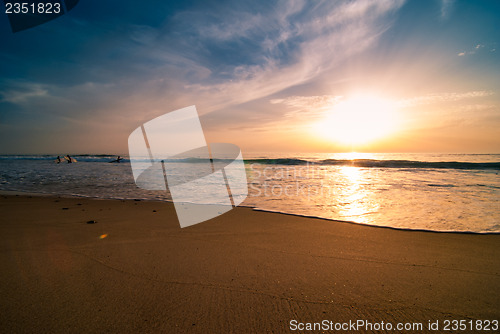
(22, 193)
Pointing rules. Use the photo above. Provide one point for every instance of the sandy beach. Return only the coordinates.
(135, 270)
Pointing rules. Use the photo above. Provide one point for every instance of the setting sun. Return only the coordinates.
(358, 120)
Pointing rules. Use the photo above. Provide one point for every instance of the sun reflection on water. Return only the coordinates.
(357, 197)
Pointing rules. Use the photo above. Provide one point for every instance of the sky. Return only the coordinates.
(269, 76)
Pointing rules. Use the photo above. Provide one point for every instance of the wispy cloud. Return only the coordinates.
(308, 102)
(297, 43)
(319, 104)
(442, 97)
(313, 106)
(476, 107)
(473, 50)
(446, 8)
(20, 92)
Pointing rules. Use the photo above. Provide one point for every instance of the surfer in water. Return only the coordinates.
(70, 160)
(118, 159)
(58, 160)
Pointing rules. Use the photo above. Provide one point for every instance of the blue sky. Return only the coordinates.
(260, 73)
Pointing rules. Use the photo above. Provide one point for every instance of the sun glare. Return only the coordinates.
(358, 120)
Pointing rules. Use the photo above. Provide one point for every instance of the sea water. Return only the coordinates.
(439, 192)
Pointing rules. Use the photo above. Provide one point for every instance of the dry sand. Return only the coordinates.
(243, 272)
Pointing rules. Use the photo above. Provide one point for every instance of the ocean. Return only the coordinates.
(437, 192)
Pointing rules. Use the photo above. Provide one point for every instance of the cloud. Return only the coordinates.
(472, 51)
(316, 105)
(443, 97)
(446, 8)
(313, 106)
(20, 92)
(252, 55)
(143, 34)
(303, 102)
(476, 107)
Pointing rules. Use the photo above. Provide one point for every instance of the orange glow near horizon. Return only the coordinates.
(358, 120)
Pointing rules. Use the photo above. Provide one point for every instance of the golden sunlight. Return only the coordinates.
(358, 120)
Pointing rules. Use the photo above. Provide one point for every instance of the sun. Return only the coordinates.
(358, 120)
